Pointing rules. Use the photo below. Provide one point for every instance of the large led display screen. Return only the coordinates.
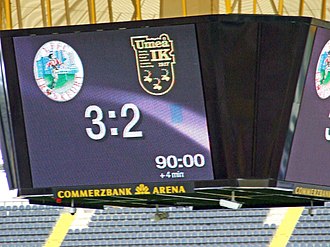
(113, 107)
(309, 158)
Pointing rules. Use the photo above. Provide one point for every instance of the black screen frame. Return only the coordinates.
(225, 170)
(15, 144)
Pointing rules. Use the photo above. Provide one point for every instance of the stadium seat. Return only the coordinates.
(133, 227)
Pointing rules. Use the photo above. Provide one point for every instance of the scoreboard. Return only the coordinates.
(113, 107)
(204, 102)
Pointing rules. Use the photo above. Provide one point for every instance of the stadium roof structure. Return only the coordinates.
(33, 13)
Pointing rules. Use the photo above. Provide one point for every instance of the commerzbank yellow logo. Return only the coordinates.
(142, 190)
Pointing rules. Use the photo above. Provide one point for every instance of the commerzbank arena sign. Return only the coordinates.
(139, 189)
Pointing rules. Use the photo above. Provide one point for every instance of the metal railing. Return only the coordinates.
(45, 13)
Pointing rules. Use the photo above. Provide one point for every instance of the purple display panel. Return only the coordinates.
(310, 151)
(114, 107)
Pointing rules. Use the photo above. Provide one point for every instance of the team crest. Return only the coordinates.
(155, 61)
(322, 75)
(58, 71)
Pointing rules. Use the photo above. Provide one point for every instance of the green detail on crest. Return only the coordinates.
(62, 80)
(325, 77)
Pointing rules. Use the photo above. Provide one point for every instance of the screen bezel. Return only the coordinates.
(15, 141)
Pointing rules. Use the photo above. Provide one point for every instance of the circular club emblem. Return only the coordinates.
(58, 71)
(322, 74)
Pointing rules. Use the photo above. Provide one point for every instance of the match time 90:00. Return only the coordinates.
(186, 161)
